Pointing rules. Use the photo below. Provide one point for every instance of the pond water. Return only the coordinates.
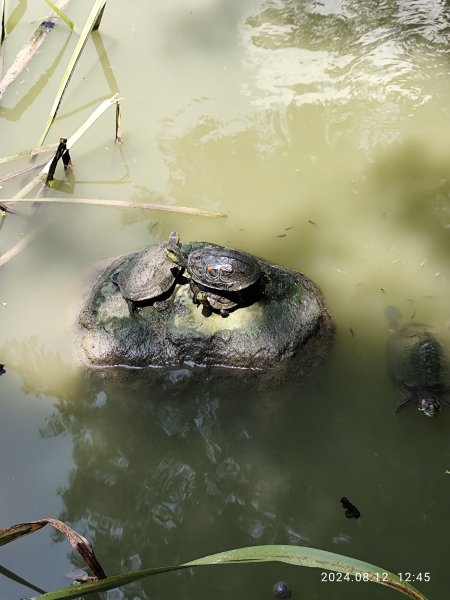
(322, 129)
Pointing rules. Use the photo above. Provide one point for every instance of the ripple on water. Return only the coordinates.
(318, 53)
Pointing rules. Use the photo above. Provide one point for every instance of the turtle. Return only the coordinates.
(150, 276)
(221, 278)
(419, 366)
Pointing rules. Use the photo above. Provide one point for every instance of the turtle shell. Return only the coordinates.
(221, 268)
(418, 360)
(149, 274)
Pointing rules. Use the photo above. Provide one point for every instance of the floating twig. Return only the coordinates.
(20, 172)
(125, 204)
(28, 153)
(30, 49)
(87, 29)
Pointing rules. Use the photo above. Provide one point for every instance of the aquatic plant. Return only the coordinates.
(295, 555)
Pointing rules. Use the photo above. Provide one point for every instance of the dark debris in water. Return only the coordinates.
(282, 590)
(351, 512)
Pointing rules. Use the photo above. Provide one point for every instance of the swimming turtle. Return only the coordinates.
(221, 278)
(419, 366)
(150, 276)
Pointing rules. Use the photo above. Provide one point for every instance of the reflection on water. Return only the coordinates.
(322, 128)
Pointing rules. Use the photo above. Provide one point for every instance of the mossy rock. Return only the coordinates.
(287, 328)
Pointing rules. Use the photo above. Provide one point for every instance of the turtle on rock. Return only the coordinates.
(418, 363)
(150, 276)
(221, 278)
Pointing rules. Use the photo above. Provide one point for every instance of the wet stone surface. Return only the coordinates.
(287, 328)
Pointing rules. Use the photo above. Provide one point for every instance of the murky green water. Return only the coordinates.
(322, 127)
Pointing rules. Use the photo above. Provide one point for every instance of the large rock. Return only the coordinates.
(288, 328)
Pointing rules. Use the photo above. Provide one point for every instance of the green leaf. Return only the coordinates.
(295, 555)
(60, 14)
(87, 29)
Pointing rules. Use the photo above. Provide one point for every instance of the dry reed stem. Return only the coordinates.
(125, 204)
(30, 48)
(2, 33)
(87, 30)
(28, 153)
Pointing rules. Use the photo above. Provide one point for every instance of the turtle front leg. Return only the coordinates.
(408, 395)
(403, 404)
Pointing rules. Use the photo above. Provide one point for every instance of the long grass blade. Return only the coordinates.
(14, 577)
(2, 22)
(98, 19)
(30, 49)
(61, 15)
(97, 8)
(295, 555)
(125, 204)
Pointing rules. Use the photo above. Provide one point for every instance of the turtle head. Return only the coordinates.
(429, 405)
(201, 297)
(175, 255)
(174, 239)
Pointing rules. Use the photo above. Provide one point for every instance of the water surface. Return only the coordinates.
(322, 129)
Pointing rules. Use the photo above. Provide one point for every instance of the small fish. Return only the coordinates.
(352, 332)
(351, 512)
(313, 223)
(393, 316)
(2, 369)
(383, 290)
(287, 228)
(281, 235)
